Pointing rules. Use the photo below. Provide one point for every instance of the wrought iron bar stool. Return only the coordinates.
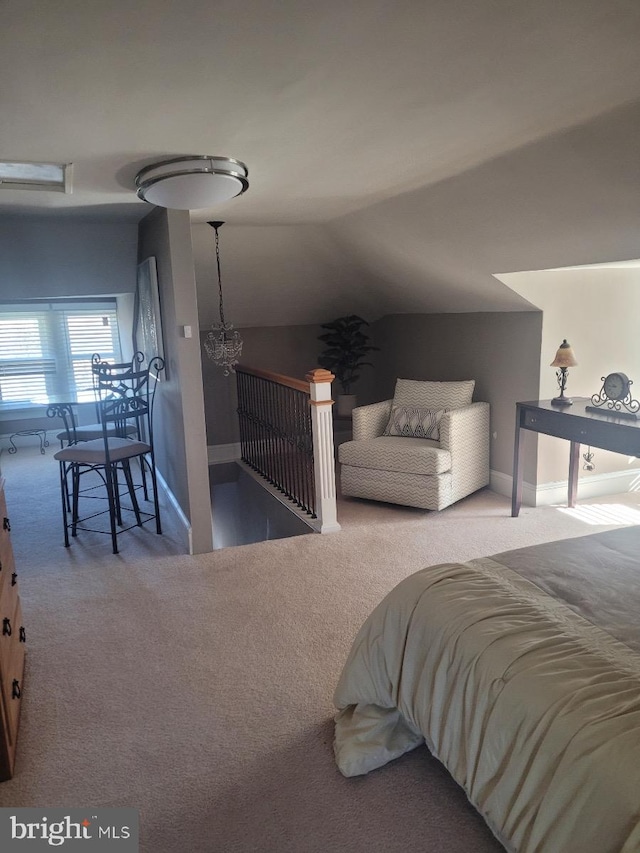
(73, 432)
(87, 432)
(125, 403)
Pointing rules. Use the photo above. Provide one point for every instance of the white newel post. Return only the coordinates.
(323, 453)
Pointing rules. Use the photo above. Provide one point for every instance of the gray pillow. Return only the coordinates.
(414, 422)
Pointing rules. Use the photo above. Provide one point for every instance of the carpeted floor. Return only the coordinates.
(198, 689)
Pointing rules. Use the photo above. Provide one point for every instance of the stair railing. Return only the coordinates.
(286, 436)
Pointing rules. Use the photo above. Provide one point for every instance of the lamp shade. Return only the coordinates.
(192, 182)
(564, 356)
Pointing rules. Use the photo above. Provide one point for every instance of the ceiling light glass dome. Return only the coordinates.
(192, 182)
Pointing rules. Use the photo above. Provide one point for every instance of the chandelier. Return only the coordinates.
(223, 343)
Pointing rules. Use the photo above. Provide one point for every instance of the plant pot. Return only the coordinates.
(345, 405)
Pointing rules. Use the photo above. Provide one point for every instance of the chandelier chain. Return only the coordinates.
(223, 343)
(221, 304)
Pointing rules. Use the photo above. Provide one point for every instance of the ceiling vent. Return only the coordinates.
(44, 177)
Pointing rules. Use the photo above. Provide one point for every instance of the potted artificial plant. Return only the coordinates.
(346, 346)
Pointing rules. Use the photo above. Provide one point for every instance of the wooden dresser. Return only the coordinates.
(12, 646)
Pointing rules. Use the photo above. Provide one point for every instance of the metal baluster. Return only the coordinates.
(253, 406)
(282, 459)
(240, 411)
(255, 456)
(266, 431)
(246, 398)
(291, 447)
(249, 415)
(291, 488)
(261, 392)
(273, 424)
(299, 472)
(308, 445)
(254, 424)
(299, 408)
(241, 381)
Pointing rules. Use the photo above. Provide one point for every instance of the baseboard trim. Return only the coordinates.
(547, 494)
(182, 522)
(223, 453)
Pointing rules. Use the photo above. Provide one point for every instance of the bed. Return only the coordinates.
(521, 673)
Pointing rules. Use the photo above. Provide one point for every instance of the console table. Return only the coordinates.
(576, 425)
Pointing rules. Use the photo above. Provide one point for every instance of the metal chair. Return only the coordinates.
(73, 432)
(88, 432)
(126, 403)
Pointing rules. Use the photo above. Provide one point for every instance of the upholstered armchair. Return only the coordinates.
(428, 447)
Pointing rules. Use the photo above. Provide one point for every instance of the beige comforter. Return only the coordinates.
(534, 710)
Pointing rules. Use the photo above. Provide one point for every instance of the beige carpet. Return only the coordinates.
(198, 689)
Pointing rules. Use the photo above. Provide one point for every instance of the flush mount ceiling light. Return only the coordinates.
(192, 182)
(47, 177)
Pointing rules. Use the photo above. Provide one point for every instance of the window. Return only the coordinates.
(46, 348)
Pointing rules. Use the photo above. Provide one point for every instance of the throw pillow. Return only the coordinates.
(433, 395)
(412, 422)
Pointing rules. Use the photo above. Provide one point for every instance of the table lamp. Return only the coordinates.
(563, 360)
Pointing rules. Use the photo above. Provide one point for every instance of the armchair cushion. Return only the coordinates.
(412, 422)
(433, 395)
(391, 453)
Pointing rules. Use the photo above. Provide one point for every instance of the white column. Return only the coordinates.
(323, 453)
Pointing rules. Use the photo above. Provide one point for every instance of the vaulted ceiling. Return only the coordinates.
(415, 147)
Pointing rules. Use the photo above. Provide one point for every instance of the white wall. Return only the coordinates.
(597, 309)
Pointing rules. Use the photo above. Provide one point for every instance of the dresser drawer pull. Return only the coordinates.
(6, 524)
(6, 627)
(14, 579)
(23, 634)
(15, 689)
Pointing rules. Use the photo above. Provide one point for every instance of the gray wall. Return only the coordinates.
(563, 200)
(42, 258)
(501, 351)
(279, 275)
(291, 350)
(180, 433)
(45, 257)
